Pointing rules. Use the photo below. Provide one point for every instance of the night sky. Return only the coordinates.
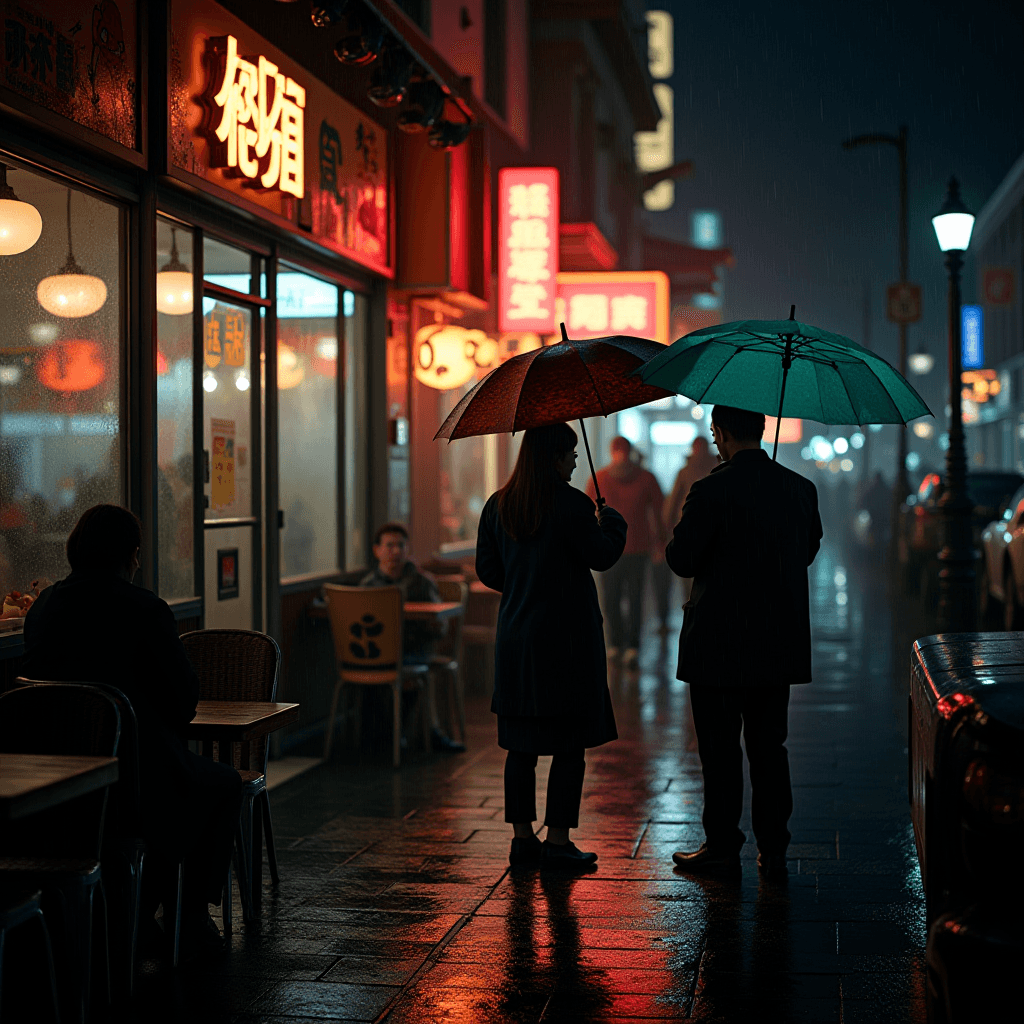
(765, 94)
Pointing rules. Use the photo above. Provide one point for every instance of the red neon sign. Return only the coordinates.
(628, 302)
(527, 248)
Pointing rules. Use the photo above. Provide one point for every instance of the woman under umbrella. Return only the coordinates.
(538, 541)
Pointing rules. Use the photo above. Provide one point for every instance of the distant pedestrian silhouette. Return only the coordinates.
(538, 541)
(634, 491)
(747, 534)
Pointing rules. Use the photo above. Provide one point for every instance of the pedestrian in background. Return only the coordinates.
(537, 542)
(697, 466)
(747, 534)
(635, 492)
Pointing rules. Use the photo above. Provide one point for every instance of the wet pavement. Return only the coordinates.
(397, 903)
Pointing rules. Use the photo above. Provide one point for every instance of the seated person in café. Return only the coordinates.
(96, 626)
(391, 550)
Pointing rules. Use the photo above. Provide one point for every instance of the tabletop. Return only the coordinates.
(431, 609)
(239, 720)
(34, 782)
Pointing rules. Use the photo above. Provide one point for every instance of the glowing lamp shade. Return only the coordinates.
(174, 284)
(72, 366)
(444, 356)
(954, 222)
(921, 362)
(71, 295)
(20, 223)
(290, 372)
(485, 349)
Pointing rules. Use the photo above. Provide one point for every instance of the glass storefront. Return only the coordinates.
(60, 375)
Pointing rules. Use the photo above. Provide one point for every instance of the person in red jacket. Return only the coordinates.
(637, 496)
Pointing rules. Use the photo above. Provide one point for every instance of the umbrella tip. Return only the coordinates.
(565, 337)
(792, 312)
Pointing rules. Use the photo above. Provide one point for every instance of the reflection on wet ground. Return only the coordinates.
(396, 902)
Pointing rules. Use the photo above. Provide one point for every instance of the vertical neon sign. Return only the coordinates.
(527, 248)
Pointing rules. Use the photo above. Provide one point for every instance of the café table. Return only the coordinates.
(30, 783)
(239, 721)
(421, 611)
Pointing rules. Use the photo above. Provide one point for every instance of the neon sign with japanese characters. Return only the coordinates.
(250, 125)
(627, 302)
(527, 248)
(260, 132)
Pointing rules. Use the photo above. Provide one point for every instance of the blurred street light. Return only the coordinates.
(953, 226)
(921, 362)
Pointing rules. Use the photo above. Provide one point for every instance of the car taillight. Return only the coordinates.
(994, 795)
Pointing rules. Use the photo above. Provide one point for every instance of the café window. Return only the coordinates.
(61, 260)
(307, 387)
(174, 304)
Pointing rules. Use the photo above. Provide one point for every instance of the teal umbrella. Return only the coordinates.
(785, 368)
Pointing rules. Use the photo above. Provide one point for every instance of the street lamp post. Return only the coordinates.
(957, 611)
(901, 485)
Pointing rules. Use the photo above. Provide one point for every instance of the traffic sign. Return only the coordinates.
(997, 285)
(903, 303)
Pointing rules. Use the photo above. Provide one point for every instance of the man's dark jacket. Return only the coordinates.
(747, 534)
(549, 657)
(100, 628)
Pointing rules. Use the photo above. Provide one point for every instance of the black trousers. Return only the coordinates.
(719, 713)
(565, 789)
(624, 582)
(205, 818)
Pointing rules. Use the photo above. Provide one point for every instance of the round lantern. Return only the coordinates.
(174, 284)
(71, 292)
(20, 223)
(444, 356)
(485, 349)
(72, 366)
(289, 370)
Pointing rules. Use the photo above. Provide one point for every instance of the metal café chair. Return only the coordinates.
(241, 664)
(367, 624)
(19, 910)
(58, 850)
(448, 662)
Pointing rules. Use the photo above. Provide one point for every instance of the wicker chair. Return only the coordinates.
(447, 663)
(240, 664)
(21, 909)
(71, 719)
(366, 626)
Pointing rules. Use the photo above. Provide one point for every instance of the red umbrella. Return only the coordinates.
(566, 381)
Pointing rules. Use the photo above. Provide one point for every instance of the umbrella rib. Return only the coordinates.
(591, 376)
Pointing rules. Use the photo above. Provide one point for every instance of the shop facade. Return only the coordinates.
(198, 331)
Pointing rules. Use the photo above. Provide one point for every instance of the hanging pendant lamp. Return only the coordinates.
(20, 223)
(174, 284)
(71, 292)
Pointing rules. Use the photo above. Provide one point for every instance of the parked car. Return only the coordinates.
(921, 522)
(1002, 566)
(967, 807)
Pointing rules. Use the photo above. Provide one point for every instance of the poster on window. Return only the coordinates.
(227, 574)
(75, 58)
(222, 471)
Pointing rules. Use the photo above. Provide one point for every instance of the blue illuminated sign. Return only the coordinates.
(972, 340)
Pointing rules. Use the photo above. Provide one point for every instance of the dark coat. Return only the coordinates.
(549, 658)
(100, 628)
(747, 534)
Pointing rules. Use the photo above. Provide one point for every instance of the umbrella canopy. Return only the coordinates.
(785, 368)
(570, 380)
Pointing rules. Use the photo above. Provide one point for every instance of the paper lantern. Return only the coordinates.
(20, 223)
(72, 366)
(444, 356)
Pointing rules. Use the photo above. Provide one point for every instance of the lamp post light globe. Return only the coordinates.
(957, 598)
(921, 362)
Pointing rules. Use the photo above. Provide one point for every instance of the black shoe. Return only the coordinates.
(567, 855)
(525, 851)
(708, 862)
(772, 867)
(445, 744)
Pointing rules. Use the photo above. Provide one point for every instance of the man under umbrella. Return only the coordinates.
(747, 534)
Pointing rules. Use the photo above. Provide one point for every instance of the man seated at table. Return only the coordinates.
(419, 640)
(95, 626)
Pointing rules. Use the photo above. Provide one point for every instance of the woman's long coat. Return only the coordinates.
(549, 654)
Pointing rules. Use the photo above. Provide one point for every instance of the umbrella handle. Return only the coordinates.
(597, 490)
(787, 360)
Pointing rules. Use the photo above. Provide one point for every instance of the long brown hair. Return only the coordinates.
(526, 498)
